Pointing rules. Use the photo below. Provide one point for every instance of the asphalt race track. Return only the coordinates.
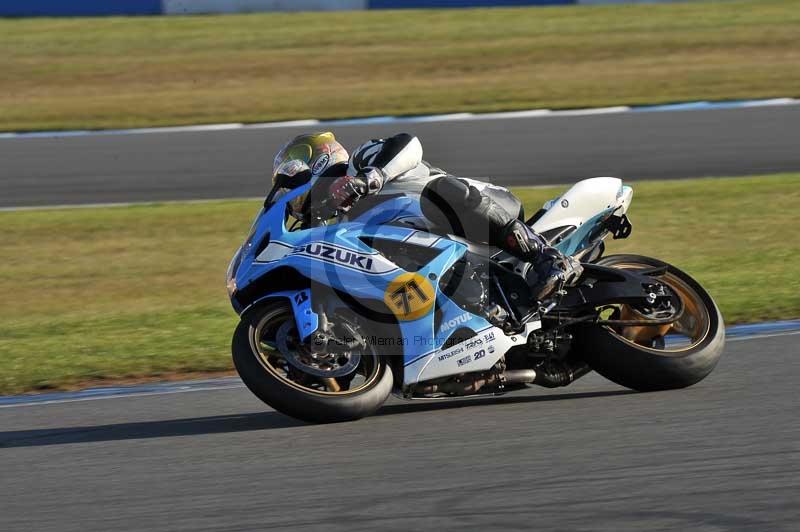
(723, 455)
(514, 151)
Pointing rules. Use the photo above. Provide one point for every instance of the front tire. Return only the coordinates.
(293, 393)
(642, 358)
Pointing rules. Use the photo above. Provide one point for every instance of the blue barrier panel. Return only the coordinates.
(400, 4)
(77, 8)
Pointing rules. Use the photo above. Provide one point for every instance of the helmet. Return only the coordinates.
(302, 158)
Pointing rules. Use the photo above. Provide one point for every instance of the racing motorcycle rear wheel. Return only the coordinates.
(659, 356)
(314, 387)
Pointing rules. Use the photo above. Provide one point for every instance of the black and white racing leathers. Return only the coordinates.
(473, 209)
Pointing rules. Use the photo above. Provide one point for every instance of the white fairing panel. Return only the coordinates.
(584, 200)
(479, 353)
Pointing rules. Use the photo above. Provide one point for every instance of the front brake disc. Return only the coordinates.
(300, 356)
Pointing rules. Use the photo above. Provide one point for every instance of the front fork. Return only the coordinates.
(306, 319)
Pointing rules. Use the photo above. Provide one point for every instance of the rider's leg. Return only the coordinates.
(451, 202)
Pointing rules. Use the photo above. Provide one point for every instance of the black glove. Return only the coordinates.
(345, 191)
(373, 179)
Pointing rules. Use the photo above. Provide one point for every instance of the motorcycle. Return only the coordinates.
(339, 313)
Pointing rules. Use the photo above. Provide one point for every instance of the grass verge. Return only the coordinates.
(129, 72)
(138, 292)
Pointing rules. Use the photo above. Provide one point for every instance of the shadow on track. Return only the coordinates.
(433, 404)
(148, 429)
(242, 423)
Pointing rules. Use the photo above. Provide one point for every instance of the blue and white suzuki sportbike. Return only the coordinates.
(337, 315)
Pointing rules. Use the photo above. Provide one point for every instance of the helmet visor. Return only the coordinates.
(318, 150)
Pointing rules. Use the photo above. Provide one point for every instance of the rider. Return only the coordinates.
(471, 209)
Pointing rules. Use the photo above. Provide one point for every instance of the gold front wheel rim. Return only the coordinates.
(269, 357)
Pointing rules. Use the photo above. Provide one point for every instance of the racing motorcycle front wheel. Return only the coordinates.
(659, 356)
(293, 379)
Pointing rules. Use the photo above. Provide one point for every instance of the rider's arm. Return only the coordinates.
(372, 165)
(379, 161)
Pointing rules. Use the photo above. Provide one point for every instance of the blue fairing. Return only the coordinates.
(337, 256)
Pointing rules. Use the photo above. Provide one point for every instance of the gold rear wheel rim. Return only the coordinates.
(694, 323)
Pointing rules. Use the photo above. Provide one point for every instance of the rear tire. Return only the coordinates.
(293, 400)
(649, 368)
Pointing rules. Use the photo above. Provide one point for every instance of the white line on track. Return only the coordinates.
(204, 387)
(124, 395)
(126, 204)
(181, 202)
(686, 106)
(760, 336)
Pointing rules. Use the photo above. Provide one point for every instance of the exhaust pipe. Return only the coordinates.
(557, 374)
(551, 375)
(471, 386)
(520, 376)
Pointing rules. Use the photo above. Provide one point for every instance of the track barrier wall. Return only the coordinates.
(77, 8)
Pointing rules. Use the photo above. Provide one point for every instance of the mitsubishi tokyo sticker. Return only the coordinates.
(476, 344)
(477, 353)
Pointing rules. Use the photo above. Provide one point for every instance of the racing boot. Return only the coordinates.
(545, 278)
(552, 269)
(519, 240)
